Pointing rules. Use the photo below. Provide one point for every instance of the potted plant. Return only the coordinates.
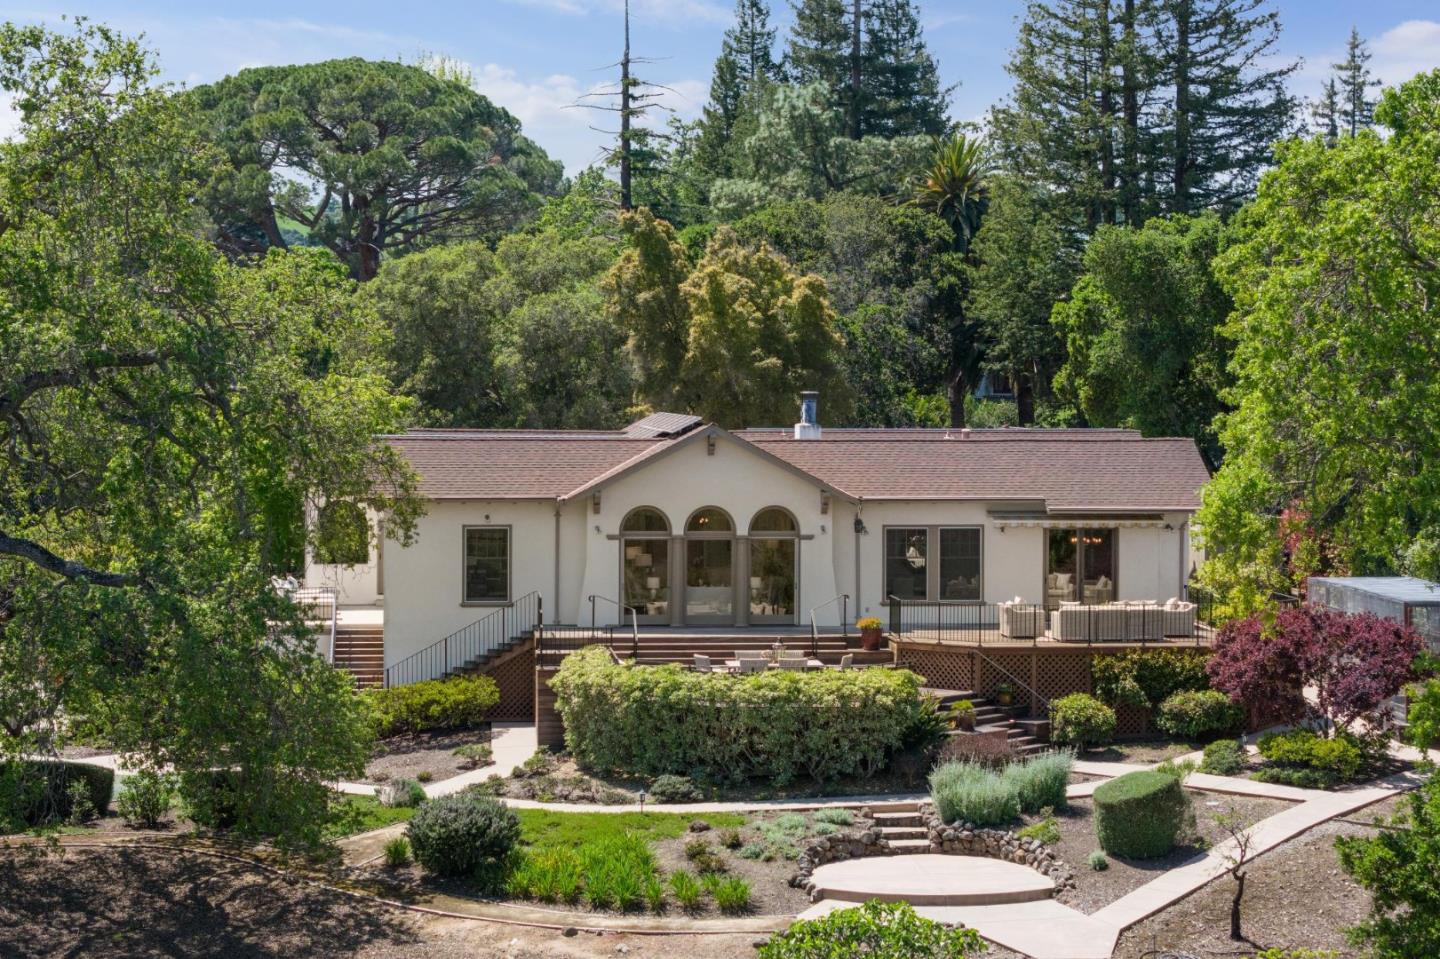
(962, 715)
(1005, 694)
(869, 632)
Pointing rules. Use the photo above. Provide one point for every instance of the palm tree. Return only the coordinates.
(955, 186)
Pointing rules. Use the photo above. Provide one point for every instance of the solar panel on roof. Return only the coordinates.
(662, 424)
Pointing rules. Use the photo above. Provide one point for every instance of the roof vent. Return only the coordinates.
(809, 426)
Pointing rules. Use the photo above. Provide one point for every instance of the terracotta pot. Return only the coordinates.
(870, 638)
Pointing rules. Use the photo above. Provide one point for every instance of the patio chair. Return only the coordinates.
(789, 662)
(702, 664)
(847, 661)
(753, 665)
(741, 654)
(788, 654)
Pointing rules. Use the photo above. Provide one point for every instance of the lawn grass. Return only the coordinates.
(543, 828)
(357, 814)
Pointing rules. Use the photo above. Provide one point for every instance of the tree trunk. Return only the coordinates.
(855, 28)
(1181, 160)
(957, 389)
(367, 248)
(1024, 398)
(1130, 175)
(1107, 115)
(1235, 909)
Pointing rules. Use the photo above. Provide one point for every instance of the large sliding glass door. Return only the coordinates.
(1081, 566)
(645, 565)
(773, 560)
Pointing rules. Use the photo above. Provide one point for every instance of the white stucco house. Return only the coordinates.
(692, 525)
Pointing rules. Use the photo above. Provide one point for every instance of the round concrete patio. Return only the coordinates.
(930, 880)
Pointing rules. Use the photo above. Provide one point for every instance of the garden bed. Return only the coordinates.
(424, 757)
(1141, 752)
(1096, 889)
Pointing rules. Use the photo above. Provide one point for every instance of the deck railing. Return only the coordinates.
(1009, 624)
(634, 620)
(319, 606)
(844, 600)
(497, 628)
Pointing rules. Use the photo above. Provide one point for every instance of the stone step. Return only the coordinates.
(902, 832)
(883, 819)
(909, 845)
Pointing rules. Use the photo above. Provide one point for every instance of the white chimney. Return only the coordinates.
(809, 426)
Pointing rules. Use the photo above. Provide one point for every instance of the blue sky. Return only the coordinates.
(536, 56)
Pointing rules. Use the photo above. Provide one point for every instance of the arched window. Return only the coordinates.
(645, 519)
(773, 520)
(342, 535)
(709, 519)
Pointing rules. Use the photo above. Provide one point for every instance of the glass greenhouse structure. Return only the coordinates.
(1403, 599)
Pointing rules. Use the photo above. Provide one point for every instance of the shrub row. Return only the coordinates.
(776, 725)
(1138, 815)
(970, 792)
(43, 792)
(1146, 678)
(1304, 758)
(454, 703)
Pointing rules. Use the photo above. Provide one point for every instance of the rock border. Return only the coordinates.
(956, 839)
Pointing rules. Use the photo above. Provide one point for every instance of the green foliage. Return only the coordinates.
(1223, 757)
(1141, 325)
(671, 788)
(548, 829)
(686, 889)
(1047, 830)
(403, 792)
(704, 858)
(654, 893)
(549, 875)
(37, 792)
(1146, 678)
(955, 186)
(145, 797)
(968, 792)
(1199, 715)
(377, 157)
(178, 427)
(1040, 780)
(475, 754)
(735, 338)
(476, 331)
(459, 702)
(616, 871)
(1138, 815)
(458, 834)
(1304, 758)
(352, 815)
(1328, 412)
(397, 852)
(835, 816)
(876, 930)
(776, 725)
(731, 839)
(1097, 861)
(1398, 866)
(1081, 720)
(732, 895)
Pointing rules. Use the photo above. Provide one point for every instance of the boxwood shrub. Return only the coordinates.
(462, 833)
(1139, 814)
(1301, 757)
(1081, 720)
(1199, 714)
(1223, 757)
(42, 792)
(455, 703)
(778, 725)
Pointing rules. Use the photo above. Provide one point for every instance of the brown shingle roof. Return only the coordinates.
(1113, 470)
(1069, 470)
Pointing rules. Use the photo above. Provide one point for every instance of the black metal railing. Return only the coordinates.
(981, 624)
(844, 600)
(498, 628)
(554, 643)
(624, 611)
(320, 606)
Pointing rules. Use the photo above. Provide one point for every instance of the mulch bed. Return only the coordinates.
(407, 757)
(770, 891)
(1141, 751)
(1295, 896)
(1094, 890)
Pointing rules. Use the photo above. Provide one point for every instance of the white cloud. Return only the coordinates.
(1405, 50)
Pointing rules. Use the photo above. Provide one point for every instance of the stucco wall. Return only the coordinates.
(423, 583)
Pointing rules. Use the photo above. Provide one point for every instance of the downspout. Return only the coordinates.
(555, 579)
(859, 524)
(1180, 567)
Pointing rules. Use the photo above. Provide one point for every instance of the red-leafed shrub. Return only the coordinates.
(1354, 662)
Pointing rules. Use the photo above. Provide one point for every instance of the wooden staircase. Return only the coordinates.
(1026, 735)
(360, 649)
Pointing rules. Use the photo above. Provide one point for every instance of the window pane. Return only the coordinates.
(960, 564)
(709, 520)
(905, 555)
(647, 576)
(772, 578)
(772, 521)
(487, 565)
(1097, 564)
(646, 520)
(1060, 578)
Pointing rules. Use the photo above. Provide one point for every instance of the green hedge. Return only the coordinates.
(1081, 720)
(1199, 714)
(38, 792)
(1139, 814)
(1147, 677)
(455, 703)
(777, 725)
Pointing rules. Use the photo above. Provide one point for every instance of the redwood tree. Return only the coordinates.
(1354, 662)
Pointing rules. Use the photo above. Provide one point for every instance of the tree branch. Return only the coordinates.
(69, 568)
(32, 383)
